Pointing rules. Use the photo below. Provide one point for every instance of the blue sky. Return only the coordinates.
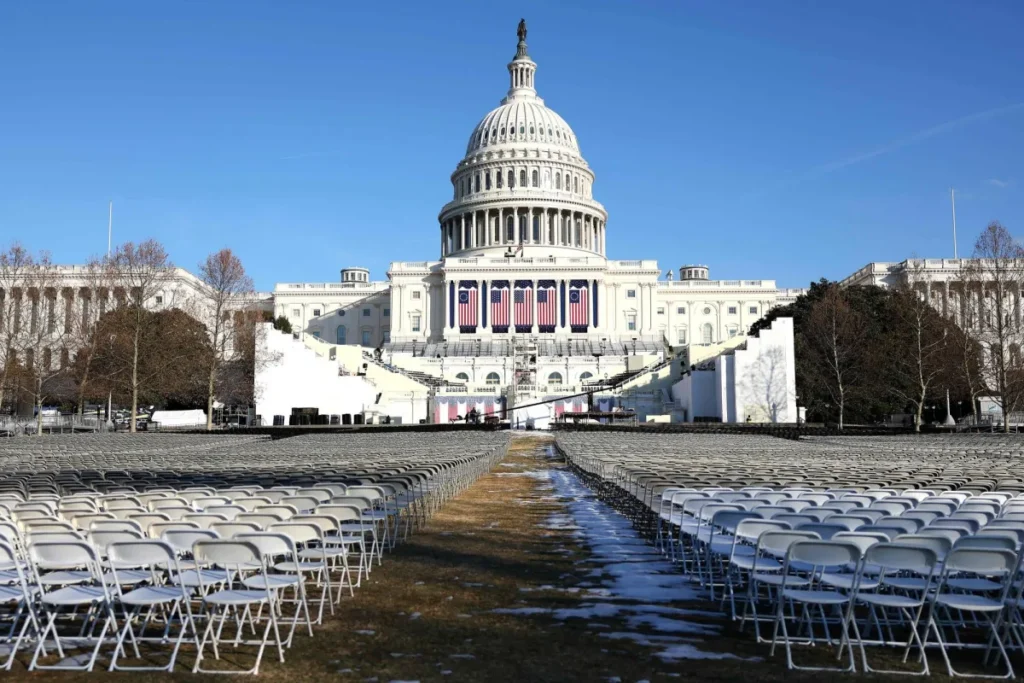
(786, 140)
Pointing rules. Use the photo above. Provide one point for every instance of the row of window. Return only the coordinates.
(500, 179)
(508, 132)
(494, 378)
(386, 312)
(681, 310)
(366, 336)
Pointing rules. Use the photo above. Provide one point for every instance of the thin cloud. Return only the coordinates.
(1001, 184)
(911, 139)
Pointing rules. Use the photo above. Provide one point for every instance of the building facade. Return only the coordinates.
(522, 259)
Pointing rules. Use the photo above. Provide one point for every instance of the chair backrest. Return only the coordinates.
(777, 542)
(823, 554)
(985, 562)
(229, 529)
(147, 553)
(861, 540)
(890, 531)
(850, 522)
(727, 517)
(101, 539)
(299, 532)
(262, 520)
(371, 493)
(64, 555)
(751, 529)
(229, 511)
(903, 557)
(229, 554)
(949, 534)
(824, 530)
(204, 520)
(182, 540)
(271, 544)
(796, 520)
(987, 541)
(343, 513)
(156, 531)
(115, 525)
(940, 545)
(284, 511)
(301, 503)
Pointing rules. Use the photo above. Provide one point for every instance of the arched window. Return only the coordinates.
(510, 229)
(476, 183)
(534, 179)
(487, 180)
(706, 333)
(462, 377)
(492, 378)
(576, 184)
(568, 182)
(522, 178)
(531, 130)
(536, 228)
(503, 131)
(511, 179)
(558, 181)
(341, 334)
(523, 228)
(585, 376)
(499, 179)
(555, 378)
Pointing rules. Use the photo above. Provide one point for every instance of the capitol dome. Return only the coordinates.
(523, 184)
(521, 120)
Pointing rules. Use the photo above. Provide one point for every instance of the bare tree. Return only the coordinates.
(144, 272)
(994, 282)
(16, 267)
(102, 277)
(764, 389)
(227, 288)
(43, 339)
(918, 355)
(835, 335)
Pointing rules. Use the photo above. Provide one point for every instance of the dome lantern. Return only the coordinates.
(521, 69)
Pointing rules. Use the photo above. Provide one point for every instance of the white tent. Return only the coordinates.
(178, 418)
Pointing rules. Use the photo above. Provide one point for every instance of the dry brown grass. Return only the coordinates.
(429, 607)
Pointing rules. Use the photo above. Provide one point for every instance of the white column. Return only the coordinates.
(533, 315)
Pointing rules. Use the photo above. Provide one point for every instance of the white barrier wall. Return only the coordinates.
(291, 375)
(755, 382)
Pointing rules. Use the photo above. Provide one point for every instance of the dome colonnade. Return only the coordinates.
(522, 180)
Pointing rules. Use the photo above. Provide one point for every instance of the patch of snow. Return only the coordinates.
(687, 651)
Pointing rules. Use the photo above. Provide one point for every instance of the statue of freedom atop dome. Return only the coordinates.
(521, 31)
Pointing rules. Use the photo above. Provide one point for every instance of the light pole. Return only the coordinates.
(950, 422)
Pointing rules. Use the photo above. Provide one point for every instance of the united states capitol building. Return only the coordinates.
(523, 294)
(523, 305)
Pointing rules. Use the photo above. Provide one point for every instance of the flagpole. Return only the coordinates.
(952, 199)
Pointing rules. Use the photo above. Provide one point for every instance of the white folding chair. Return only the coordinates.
(88, 591)
(974, 582)
(235, 557)
(907, 602)
(17, 596)
(169, 602)
(817, 556)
